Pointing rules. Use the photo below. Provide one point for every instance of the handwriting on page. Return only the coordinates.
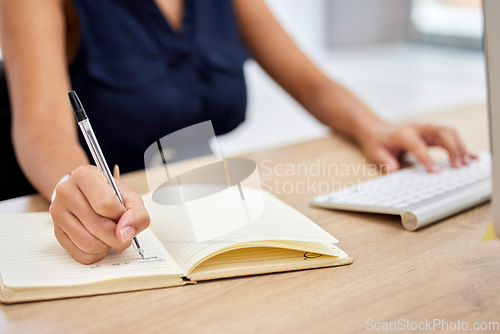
(151, 259)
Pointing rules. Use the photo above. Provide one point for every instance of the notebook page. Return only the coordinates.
(30, 256)
(278, 221)
(256, 260)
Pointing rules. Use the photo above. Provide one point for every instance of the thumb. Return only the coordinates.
(384, 159)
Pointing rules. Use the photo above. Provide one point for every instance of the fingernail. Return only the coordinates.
(466, 159)
(127, 233)
(456, 162)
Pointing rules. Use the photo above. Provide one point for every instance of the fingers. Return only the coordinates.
(383, 145)
(85, 211)
(135, 219)
(450, 141)
(74, 251)
(79, 236)
(411, 141)
(382, 157)
(465, 155)
(101, 227)
(99, 194)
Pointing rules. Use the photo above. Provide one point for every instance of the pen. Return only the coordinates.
(95, 149)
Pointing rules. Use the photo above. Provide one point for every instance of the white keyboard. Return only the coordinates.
(419, 197)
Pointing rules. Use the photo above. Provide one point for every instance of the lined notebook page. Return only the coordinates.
(31, 256)
(278, 221)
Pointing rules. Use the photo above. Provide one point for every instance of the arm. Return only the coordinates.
(44, 130)
(333, 104)
(88, 218)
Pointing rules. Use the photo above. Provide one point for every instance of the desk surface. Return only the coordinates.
(441, 272)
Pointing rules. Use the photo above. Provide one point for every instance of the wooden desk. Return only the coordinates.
(441, 272)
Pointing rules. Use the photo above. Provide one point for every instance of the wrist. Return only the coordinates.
(366, 127)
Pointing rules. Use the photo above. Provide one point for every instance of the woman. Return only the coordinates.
(144, 69)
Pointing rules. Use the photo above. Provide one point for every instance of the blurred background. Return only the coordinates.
(401, 57)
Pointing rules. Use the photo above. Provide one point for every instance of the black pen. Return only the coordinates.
(95, 149)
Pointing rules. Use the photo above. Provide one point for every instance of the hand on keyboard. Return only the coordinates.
(385, 143)
(421, 198)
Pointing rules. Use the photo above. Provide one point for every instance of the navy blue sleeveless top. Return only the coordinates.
(139, 80)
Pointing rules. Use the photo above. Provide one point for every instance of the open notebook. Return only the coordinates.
(33, 266)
